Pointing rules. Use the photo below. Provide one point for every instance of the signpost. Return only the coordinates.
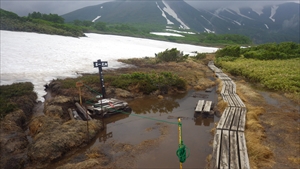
(101, 64)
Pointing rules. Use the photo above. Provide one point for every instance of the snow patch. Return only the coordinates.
(166, 34)
(237, 10)
(208, 31)
(101, 7)
(258, 9)
(170, 11)
(172, 30)
(273, 12)
(266, 26)
(164, 15)
(237, 23)
(96, 18)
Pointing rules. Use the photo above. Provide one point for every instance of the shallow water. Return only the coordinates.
(132, 129)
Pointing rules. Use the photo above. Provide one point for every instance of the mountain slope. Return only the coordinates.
(275, 23)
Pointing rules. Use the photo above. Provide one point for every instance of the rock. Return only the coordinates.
(160, 97)
(123, 93)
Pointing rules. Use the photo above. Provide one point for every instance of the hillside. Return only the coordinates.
(275, 23)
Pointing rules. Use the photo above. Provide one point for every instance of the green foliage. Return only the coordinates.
(100, 26)
(147, 82)
(271, 51)
(7, 14)
(172, 55)
(224, 38)
(71, 82)
(279, 75)
(199, 56)
(9, 95)
(233, 51)
(47, 17)
(37, 22)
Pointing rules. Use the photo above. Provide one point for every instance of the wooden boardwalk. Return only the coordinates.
(229, 146)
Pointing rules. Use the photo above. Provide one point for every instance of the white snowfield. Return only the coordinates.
(39, 58)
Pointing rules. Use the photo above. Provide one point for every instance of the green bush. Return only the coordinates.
(199, 56)
(233, 51)
(271, 51)
(172, 55)
(147, 82)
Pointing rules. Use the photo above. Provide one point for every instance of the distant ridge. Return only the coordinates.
(273, 23)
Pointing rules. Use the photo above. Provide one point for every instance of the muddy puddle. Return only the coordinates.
(144, 126)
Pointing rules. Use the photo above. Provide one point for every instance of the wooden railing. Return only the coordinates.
(229, 146)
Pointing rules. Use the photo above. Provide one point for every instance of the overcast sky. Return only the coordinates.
(23, 7)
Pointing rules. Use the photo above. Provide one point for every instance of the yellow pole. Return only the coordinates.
(179, 139)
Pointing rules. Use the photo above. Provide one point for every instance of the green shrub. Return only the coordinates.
(233, 51)
(172, 55)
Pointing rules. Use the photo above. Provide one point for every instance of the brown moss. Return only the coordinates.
(221, 106)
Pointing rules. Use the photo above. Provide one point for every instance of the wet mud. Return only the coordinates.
(148, 137)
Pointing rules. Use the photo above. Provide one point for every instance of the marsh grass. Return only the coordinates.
(16, 96)
(259, 154)
(275, 75)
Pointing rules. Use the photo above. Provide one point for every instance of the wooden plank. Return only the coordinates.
(76, 115)
(223, 118)
(234, 100)
(199, 106)
(216, 150)
(229, 119)
(242, 120)
(83, 111)
(235, 122)
(234, 157)
(223, 87)
(224, 152)
(243, 154)
(240, 100)
(227, 99)
(207, 106)
(71, 114)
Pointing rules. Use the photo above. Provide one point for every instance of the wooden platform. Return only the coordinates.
(203, 106)
(229, 146)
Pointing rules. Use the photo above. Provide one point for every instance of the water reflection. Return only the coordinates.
(203, 119)
(154, 105)
(103, 136)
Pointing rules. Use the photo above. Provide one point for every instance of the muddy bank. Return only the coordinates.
(52, 136)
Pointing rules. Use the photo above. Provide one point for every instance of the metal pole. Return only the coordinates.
(179, 138)
(101, 78)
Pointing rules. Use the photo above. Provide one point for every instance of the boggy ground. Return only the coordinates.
(272, 128)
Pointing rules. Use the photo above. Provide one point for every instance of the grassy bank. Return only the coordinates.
(276, 75)
(16, 96)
